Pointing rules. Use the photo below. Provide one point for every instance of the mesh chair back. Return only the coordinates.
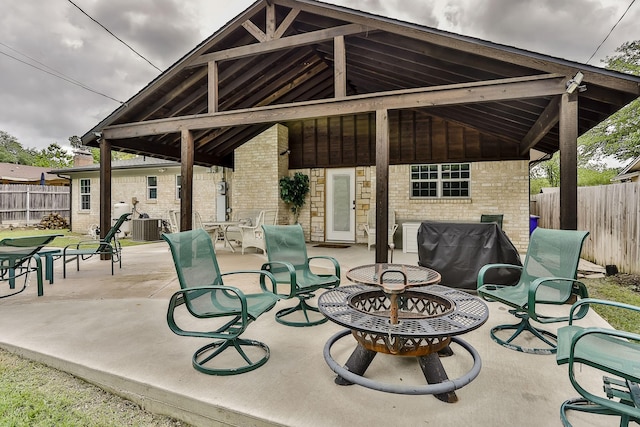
(286, 243)
(197, 266)
(553, 253)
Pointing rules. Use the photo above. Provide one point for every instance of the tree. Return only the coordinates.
(619, 135)
(293, 191)
(54, 156)
(11, 151)
(76, 144)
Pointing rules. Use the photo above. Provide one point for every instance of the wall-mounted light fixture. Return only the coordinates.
(161, 170)
(574, 83)
(285, 152)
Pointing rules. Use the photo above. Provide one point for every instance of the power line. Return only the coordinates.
(118, 38)
(610, 31)
(62, 77)
(59, 73)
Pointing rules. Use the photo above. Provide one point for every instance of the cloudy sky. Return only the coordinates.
(54, 35)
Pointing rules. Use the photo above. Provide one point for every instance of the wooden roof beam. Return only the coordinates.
(463, 93)
(278, 44)
(542, 126)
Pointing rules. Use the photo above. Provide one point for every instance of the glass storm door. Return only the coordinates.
(341, 199)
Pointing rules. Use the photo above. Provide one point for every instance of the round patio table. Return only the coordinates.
(422, 324)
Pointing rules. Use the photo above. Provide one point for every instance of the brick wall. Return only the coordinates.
(258, 168)
(496, 188)
(130, 183)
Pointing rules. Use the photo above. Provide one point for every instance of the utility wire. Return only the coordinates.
(62, 77)
(59, 73)
(118, 38)
(610, 31)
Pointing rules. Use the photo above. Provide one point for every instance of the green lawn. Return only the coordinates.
(68, 237)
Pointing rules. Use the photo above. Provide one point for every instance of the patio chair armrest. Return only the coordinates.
(565, 288)
(488, 267)
(89, 244)
(281, 267)
(594, 301)
(178, 298)
(609, 360)
(263, 273)
(336, 265)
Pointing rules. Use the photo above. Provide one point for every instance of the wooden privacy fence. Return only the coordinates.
(27, 204)
(610, 213)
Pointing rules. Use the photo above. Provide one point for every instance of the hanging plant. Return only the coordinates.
(293, 191)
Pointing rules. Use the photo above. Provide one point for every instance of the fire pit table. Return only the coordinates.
(392, 311)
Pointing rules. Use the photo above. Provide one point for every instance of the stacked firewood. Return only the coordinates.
(53, 221)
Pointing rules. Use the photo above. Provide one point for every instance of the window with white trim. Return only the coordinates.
(85, 194)
(178, 186)
(152, 188)
(447, 180)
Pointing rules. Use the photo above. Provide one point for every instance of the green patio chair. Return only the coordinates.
(548, 277)
(16, 256)
(497, 218)
(614, 353)
(205, 296)
(109, 246)
(289, 263)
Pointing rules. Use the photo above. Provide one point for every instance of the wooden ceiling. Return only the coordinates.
(282, 52)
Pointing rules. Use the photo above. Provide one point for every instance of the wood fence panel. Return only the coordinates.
(27, 204)
(611, 213)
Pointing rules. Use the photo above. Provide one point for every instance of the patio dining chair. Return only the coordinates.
(289, 263)
(614, 353)
(16, 257)
(370, 228)
(108, 246)
(205, 296)
(548, 277)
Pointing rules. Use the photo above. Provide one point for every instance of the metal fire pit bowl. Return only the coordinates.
(427, 317)
(411, 305)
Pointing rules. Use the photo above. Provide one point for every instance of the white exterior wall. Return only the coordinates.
(129, 183)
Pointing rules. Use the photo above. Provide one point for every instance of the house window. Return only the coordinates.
(178, 186)
(446, 180)
(85, 194)
(152, 187)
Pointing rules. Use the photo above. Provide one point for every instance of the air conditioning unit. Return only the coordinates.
(146, 229)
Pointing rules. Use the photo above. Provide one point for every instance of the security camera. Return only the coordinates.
(574, 83)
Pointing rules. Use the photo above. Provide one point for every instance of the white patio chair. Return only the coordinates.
(370, 227)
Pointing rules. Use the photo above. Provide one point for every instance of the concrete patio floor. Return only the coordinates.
(112, 331)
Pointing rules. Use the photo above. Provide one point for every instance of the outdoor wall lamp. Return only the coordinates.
(287, 151)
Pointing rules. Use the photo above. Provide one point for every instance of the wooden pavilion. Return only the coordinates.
(358, 89)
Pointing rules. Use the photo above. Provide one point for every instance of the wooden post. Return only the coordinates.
(105, 191)
(569, 162)
(340, 67)
(212, 93)
(382, 185)
(186, 172)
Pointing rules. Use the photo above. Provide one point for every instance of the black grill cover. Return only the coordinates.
(459, 250)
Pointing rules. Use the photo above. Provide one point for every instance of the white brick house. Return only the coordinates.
(495, 187)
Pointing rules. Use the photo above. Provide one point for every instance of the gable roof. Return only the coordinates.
(139, 162)
(11, 173)
(283, 53)
(630, 171)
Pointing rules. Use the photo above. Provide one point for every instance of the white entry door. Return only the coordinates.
(341, 199)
